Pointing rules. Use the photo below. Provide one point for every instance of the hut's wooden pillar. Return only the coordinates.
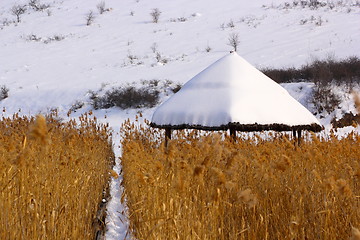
(167, 136)
(299, 136)
(294, 137)
(233, 134)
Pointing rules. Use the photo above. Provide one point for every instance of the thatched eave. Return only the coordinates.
(244, 127)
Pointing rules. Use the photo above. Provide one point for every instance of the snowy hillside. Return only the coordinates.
(52, 58)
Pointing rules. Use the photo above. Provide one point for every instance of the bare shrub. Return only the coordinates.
(34, 4)
(345, 71)
(4, 92)
(89, 18)
(324, 99)
(153, 83)
(182, 19)
(76, 106)
(234, 41)
(160, 58)
(154, 47)
(101, 7)
(132, 58)
(37, 6)
(35, 38)
(230, 24)
(167, 86)
(6, 22)
(55, 38)
(18, 10)
(146, 95)
(155, 14)
(313, 4)
(125, 97)
(317, 21)
(179, 19)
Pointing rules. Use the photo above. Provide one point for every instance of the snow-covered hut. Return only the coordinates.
(232, 94)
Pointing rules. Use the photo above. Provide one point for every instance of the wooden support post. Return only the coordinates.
(299, 136)
(294, 137)
(167, 136)
(233, 134)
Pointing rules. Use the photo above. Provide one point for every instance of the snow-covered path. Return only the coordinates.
(116, 220)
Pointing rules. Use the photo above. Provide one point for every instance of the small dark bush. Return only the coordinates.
(90, 17)
(230, 24)
(155, 14)
(76, 106)
(179, 19)
(324, 99)
(160, 59)
(348, 119)
(125, 97)
(35, 38)
(4, 92)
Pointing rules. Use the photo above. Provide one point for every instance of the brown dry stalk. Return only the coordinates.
(209, 187)
(52, 176)
(355, 234)
(357, 101)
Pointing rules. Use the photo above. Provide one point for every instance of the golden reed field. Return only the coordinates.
(210, 187)
(52, 177)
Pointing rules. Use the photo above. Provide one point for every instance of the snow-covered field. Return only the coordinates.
(51, 58)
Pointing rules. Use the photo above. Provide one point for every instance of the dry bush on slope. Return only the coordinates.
(52, 177)
(208, 187)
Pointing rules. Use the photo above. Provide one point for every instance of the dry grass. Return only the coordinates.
(52, 177)
(356, 96)
(207, 187)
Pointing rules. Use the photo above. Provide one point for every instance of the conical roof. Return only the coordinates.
(231, 93)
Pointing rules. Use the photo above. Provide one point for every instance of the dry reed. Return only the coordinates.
(52, 176)
(208, 187)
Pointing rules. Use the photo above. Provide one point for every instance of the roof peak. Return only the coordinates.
(229, 91)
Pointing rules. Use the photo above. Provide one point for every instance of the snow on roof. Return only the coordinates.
(231, 92)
